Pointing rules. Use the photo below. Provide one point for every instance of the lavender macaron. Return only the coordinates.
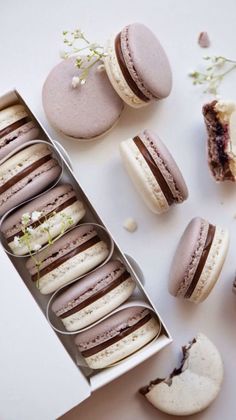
(76, 253)
(94, 296)
(198, 260)
(16, 128)
(153, 171)
(138, 67)
(117, 337)
(25, 174)
(43, 219)
(83, 112)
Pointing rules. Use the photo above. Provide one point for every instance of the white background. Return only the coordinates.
(30, 34)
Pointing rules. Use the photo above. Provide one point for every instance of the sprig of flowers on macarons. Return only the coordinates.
(87, 54)
(45, 226)
(216, 69)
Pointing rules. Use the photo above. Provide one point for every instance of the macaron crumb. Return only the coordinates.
(130, 225)
(204, 40)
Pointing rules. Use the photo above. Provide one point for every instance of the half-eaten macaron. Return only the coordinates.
(198, 260)
(153, 171)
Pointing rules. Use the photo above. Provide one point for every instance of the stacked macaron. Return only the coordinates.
(27, 173)
(16, 128)
(44, 219)
(95, 296)
(76, 253)
(118, 336)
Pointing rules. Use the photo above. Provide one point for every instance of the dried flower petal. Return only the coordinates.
(204, 40)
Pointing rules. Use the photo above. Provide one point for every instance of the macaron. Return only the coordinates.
(117, 337)
(16, 128)
(194, 385)
(25, 174)
(83, 112)
(137, 66)
(76, 253)
(153, 171)
(198, 260)
(42, 219)
(95, 296)
(220, 121)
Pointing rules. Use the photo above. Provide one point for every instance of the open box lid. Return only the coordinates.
(36, 371)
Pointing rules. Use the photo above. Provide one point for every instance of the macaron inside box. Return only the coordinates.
(16, 128)
(28, 172)
(94, 296)
(42, 220)
(153, 171)
(79, 251)
(198, 260)
(137, 66)
(118, 336)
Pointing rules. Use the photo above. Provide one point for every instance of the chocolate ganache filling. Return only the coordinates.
(155, 170)
(13, 127)
(205, 253)
(125, 71)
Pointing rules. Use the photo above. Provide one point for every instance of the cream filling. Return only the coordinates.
(226, 112)
(100, 307)
(11, 115)
(117, 79)
(142, 177)
(55, 224)
(213, 266)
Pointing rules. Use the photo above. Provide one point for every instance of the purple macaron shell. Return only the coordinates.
(50, 254)
(110, 326)
(187, 256)
(153, 142)
(146, 61)
(36, 204)
(21, 135)
(81, 112)
(87, 283)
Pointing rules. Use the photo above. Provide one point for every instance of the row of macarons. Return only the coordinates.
(44, 229)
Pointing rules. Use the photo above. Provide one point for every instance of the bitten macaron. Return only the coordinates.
(153, 171)
(117, 337)
(84, 112)
(198, 260)
(194, 385)
(25, 174)
(76, 253)
(137, 66)
(42, 219)
(16, 128)
(94, 296)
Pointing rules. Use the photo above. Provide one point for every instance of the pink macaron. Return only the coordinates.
(137, 66)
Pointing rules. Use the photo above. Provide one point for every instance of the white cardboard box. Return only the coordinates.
(39, 375)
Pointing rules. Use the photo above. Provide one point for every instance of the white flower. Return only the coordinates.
(30, 230)
(45, 225)
(36, 215)
(82, 81)
(100, 68)
(36, 247)
(25, 218)
(63, 54)
(75, 81)
(16, 241)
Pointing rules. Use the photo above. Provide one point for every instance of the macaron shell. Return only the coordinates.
(16, 138)
(85, 112)
(11, 115)
(166, 164)
(187, 256)
(142, 177)
(146, 61)
(213, 266)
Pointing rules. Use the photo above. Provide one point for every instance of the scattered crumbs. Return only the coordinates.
(204, 40)
(130, 225)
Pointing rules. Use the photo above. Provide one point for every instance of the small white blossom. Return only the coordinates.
(100, 68)
(16, 241)
(30, 230)
(45, 225)
(63, 54)
(75, 81)
(36, 247)
(25, 218)
(36, 215)
(82, 81)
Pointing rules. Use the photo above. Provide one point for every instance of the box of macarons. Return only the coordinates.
(92, 319)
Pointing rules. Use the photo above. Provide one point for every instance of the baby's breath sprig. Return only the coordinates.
(217, 68)
(86, 54)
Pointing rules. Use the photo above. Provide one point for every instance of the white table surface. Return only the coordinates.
(30, 34)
